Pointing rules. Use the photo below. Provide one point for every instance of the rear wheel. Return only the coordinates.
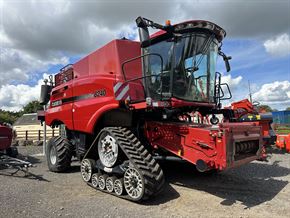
(58, 154)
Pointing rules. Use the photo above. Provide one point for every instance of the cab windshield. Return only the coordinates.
(188, 68)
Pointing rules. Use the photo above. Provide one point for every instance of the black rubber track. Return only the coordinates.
(142, 160)
(63, 154)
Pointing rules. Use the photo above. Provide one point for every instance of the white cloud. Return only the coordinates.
(275, 93)
(16, 65)
(231, 81)
(278, 46)
(14, 97)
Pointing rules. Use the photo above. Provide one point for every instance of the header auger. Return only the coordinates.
(129, 102)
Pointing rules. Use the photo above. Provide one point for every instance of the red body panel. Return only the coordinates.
(86, 111)
(5, 137)
(85, 98)
(216, 146)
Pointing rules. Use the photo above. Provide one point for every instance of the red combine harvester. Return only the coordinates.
(123, 107)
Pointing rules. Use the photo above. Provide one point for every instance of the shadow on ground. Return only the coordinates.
(274, 150)
(251, 184)
(23, 172)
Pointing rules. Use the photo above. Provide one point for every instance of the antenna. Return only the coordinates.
(250, 94)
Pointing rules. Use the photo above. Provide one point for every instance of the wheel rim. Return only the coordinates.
(102, 182)
(95, 180)
(118, 187)
(86, 170)
(110, 184)
(52, 155)
(133, 183)
(108, 150)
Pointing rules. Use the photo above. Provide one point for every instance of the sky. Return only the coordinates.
(38, 37)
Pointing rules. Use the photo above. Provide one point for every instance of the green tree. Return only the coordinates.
(8, 116)
(264, 108)
(32, 107)
(288, 109)
(11, 116)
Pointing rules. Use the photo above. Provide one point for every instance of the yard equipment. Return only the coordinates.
(283, 142)
(130, 103)
(246, 111)
(8, 153)
(6, 137)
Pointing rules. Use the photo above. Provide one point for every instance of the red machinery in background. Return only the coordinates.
(6, 137)
(245, 111)
(8, 152)
(283, 142)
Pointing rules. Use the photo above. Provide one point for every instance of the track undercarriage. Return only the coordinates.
(124, 167)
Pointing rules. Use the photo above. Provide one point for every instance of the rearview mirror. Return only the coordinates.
(228, 67)
(226, 60)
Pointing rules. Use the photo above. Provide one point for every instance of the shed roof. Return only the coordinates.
(27, 119)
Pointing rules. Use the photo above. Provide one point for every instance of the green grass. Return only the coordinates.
(282, 129)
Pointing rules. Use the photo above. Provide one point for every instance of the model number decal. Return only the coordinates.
(56, 103)
(100, 93)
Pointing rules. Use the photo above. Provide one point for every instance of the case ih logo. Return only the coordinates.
(121, 91)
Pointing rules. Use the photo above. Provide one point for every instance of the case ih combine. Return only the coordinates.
(128, 103)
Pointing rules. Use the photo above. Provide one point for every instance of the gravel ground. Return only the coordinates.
(258, 189)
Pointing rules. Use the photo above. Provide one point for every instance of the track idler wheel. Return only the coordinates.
(87, 166)
(134, 184)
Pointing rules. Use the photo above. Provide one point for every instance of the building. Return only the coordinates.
(28, 127)
(281, 117)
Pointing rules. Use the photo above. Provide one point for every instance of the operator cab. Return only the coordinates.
(179, 61)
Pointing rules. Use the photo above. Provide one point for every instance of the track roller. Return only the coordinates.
(119, 187)
(110, 183)
(102, 181)
(95, 181)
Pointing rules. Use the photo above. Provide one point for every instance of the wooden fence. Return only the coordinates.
(36, 134)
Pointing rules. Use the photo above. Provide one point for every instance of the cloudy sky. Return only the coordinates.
(37, 37)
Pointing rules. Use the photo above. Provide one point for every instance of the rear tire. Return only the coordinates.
(58, 154)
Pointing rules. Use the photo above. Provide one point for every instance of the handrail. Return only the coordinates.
(144, 76)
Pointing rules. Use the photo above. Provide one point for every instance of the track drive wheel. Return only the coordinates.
(58, 154)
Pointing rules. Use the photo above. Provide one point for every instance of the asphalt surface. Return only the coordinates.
(258, 189)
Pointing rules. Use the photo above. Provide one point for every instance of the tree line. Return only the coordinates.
(10, 117)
